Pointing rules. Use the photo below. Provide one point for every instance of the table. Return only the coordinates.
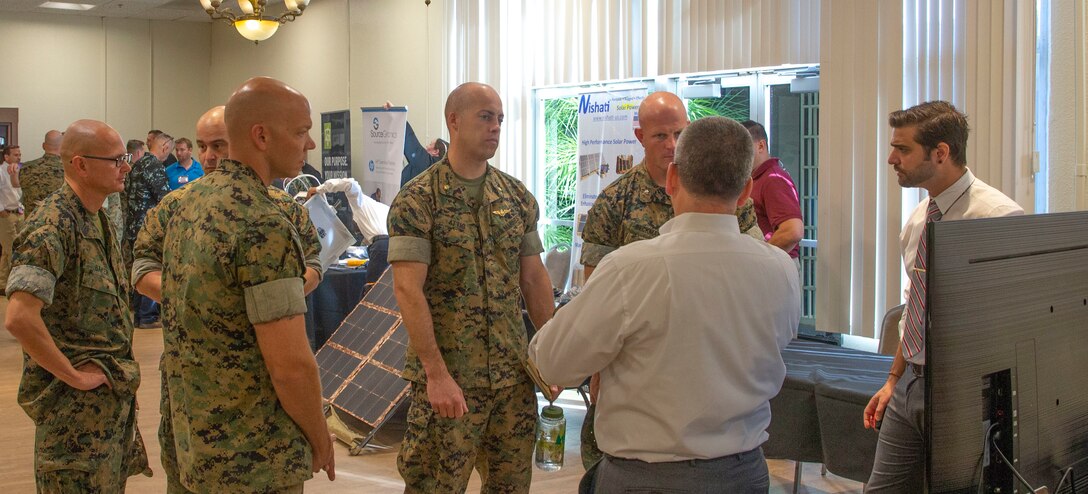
(816, 417)
(335, 297)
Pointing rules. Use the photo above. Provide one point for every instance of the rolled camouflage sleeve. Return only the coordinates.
(39, 259)
(600, 236)
(269, 266)
(530, 243)
(410, 224)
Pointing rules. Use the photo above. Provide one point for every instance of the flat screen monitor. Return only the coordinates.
(1007, 354)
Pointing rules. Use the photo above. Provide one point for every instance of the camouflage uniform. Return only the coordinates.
(229, 252)
(630, 209)
(85, 441)
(473, 289)
(145, 186)
(39, 178)
(633, 208)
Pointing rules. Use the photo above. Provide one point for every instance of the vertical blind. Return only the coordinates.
(876, 57)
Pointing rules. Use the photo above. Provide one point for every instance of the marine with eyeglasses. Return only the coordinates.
(68, 308)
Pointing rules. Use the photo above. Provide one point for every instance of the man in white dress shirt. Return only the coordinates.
(11, 212)
(929, 150)
(679, 328)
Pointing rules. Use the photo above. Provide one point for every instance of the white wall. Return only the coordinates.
(345, 54)
(72, 67)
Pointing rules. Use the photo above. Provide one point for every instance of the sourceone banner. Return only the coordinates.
(383, 151)
(336, 144)
(607, 148)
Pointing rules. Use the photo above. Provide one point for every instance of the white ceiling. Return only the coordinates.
(167, 10)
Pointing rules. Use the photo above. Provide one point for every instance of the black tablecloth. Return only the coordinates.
(326, 307)
(817, 415)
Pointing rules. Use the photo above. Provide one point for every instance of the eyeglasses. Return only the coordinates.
(124, 158)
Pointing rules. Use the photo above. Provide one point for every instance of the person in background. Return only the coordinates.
(43, 176)
(778, 210)
(11, 211)
(419, 157)
(186, 169)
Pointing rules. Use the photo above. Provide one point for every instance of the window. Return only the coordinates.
(789, 112)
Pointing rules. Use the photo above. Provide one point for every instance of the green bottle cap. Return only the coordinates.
(552, 412)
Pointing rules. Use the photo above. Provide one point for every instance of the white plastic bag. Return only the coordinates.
(334, 236)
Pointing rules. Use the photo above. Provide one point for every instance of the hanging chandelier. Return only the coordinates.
(252, 23)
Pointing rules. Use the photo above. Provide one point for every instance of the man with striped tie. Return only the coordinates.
(929, 150)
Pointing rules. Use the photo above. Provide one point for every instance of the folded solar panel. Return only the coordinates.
(362, 362)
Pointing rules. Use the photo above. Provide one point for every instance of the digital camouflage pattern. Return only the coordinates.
(85, 441)
(39, 178)
(473, 284)
(474, 292)
(438, 454)
(145, 186)
(633, 208)
(214, 240)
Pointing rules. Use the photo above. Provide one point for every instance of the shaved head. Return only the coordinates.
(88, 137)
(465, 95)
(268, 125)
(211, 138)
(90, 150)
(51, 143)
(661, 118)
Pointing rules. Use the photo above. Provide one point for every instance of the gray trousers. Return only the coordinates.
(743, 473)
(899, 466)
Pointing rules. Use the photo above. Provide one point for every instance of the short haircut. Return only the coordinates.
(167, 139)
(936, 122)
(9, 149)
(758, 131)
(714, 158)
(134, 145)
(185, 141)
(155, 132)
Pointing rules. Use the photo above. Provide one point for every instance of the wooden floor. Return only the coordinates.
(374, 472)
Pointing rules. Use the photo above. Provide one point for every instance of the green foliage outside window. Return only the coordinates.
(735, 103)
(560, 168)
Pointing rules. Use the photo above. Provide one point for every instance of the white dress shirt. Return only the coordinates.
(686, 330)
(369, 215)
(967, 198)
(9, 196)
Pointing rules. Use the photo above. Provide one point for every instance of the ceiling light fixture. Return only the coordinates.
(67, 6)
(251, 23)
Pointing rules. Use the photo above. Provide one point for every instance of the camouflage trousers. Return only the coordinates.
(496, 437)
(90, 444)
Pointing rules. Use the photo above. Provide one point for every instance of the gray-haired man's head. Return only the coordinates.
(714, 158)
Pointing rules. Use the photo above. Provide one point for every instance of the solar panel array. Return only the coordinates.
(362, 362)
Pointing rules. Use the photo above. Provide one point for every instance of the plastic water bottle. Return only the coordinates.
(551, 432)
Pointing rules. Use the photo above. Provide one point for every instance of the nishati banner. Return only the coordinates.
(607, 148)
(336, 144)
(383, 151)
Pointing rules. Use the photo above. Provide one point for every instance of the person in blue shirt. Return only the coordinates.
(186, 169)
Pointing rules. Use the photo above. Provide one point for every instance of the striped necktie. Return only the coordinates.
(914, 328)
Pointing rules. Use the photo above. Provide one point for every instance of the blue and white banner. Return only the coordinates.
(607, 148)
(383, 152)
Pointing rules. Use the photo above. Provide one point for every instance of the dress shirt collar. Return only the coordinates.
(702, 222)
(946, 199)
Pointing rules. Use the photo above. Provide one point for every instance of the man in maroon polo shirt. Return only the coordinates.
(778, 212)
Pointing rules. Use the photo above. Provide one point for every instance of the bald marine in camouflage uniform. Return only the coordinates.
(69, 310)
(43, 176)
(464, 250)
(147, 266)
(242, 391)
